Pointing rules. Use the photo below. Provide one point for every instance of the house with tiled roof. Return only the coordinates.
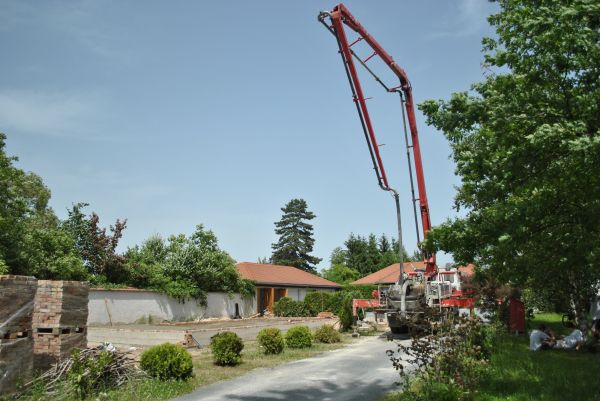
(274, 282)
(389, 275)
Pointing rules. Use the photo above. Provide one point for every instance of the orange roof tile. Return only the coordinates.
(467, 270)
(389, 275)
(277, 275)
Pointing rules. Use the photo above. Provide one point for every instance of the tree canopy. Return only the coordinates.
(31, 239)
(97, 248)
(185, 266)
(369, 254)
(526, 144)
(295, 237)
(34, 242)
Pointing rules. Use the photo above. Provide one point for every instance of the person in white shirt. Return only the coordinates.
(573, 340)
(539, 339)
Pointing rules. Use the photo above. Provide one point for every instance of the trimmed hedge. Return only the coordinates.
(327, 334)
(287, 307)
(339, 302)
(270, 341)
(226, 348)
(167, 362)
(298, 337)
(316, 302)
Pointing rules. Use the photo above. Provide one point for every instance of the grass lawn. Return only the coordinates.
(518, 374)
(553, 375)
(205, 372)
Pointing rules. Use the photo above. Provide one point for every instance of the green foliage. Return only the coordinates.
(295, 237)
(167, 362)
(327, 334)
(3, 267)
(317, 301)
(342, 304)
(362, 256)
(226, 348)
(89, 375)
(270, 340)
(185, 267)
(287, 307)
(95, 246)
(31, 241)
(298, 337)
(429, 390)
(340, 274)
(516, 373)
(526, 142)
(451, 362)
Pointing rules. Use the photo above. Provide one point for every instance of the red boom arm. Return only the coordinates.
(340, 16)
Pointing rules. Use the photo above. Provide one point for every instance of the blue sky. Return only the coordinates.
(172, 114)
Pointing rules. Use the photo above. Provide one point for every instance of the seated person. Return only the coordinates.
(542, 338)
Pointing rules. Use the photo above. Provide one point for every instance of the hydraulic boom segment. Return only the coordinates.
(339, 17)
(405, 303)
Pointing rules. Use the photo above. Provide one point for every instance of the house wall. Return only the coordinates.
(131, 306)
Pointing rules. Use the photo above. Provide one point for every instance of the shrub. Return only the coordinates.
(270, 340)
(298, 337)
(341, 302)
(167, 362)
(287, 307)
(226, 348)
(327, 334)
(316, 302)
(89, 374)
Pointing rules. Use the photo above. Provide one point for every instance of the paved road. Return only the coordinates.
(358, 372)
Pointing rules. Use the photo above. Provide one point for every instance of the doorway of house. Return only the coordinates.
(268, 296)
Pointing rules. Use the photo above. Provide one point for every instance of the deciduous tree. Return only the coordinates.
(31, 241)
(526, 144)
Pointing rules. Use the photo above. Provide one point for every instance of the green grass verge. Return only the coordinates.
(519, 374)
(553, 375)
(205, 373)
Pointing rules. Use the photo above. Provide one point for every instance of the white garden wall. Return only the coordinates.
(298, 293)
(136, 306)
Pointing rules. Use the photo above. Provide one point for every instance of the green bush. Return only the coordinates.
(484, 337)
(298, 337)
(88, 375)
(342, 304)
(287, 307)
(316, 302)
(167, 362)
(226, 348)
(270, 340)
(327, 334)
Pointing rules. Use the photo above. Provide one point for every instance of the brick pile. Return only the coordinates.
(59, 320)
(16, 344)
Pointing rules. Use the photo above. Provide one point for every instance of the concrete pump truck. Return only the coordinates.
(404, 302)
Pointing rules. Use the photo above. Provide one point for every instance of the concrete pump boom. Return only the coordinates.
(339, 17)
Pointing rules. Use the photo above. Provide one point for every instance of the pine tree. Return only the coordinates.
(295, 237)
